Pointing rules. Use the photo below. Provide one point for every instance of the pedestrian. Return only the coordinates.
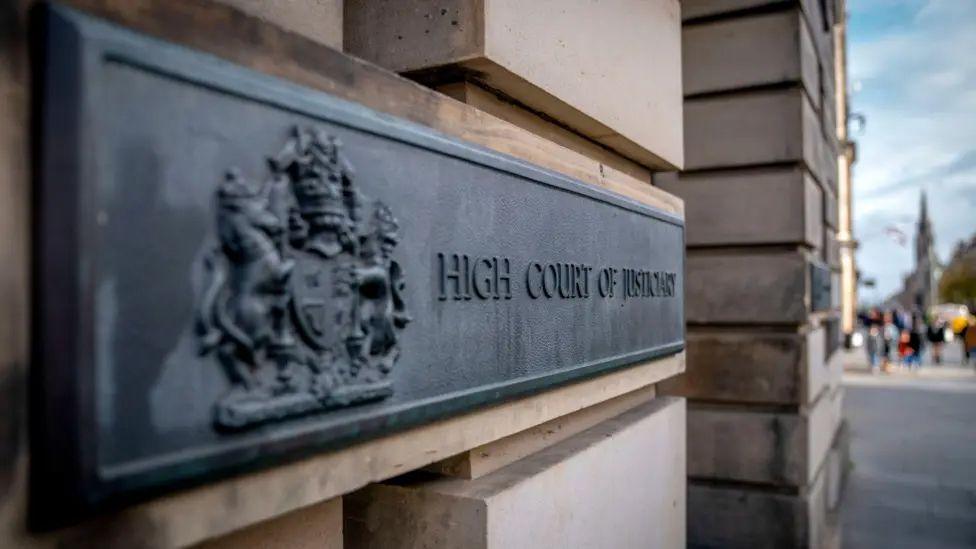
(903, 349)
(969, 340)
(915, 346)
(898, 319)
(889, 335)
(874, 345)
(935, 334)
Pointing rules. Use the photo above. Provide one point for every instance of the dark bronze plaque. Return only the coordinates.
(234, 271)
(820, 287)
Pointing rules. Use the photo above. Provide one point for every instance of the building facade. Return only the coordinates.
(719, 126)
(763, 194)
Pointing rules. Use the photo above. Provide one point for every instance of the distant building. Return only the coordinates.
(957, 284)
(920, 288)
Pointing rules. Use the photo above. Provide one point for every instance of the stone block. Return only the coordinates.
(822, 419)
(751, 367)
(813, 206)
(318, 526)
(731, 443)
(835, 368)
(828, 109)
(744, 52)
(789, 199)
(815, 150)
(735, 287)
(818, 15)
(831, 249)
(817, 371)
(763, 127)
(837, 409)
(596, 489)
(835, 287)
(837, 467)
(831, 206)
(319, 20)
(561, 59)
(812, 65)
(828, 167)
(821, 523)
(734, 517)
(740, 367)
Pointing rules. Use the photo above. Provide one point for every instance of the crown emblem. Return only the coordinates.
(312, 162)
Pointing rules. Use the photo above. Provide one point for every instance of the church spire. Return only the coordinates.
(923, 210)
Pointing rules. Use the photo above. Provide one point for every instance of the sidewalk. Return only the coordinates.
(913, 452)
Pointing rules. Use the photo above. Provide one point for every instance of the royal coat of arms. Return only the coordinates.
(303, 303)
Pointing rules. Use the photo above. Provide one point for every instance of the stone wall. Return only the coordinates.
(760, 187)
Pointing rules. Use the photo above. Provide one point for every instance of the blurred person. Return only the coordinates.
(935, 334)
(898, 319)
(969, 340)
(960, 326)
(889, 337)
(903, 349)
(873, 318)
(874, 345)
(864, 317)
(915, 345)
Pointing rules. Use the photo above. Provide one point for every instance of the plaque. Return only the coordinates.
(234, 271)
(820, 287)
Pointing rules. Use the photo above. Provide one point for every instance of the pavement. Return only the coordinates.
(912, 481)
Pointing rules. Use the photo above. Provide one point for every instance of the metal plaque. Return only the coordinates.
(234, 271)
(820, 287)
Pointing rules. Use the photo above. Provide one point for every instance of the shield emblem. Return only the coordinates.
(321, 301)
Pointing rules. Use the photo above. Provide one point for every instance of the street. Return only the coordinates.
(912, 481)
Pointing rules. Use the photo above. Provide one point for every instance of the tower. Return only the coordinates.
(924, 258)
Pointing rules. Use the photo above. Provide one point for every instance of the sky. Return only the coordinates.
(912, 75)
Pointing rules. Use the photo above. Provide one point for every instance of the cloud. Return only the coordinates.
(963, 163)
(912, 64)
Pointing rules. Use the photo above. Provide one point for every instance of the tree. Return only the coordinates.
(958, 282)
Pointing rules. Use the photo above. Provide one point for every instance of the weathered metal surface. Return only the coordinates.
(234, 270)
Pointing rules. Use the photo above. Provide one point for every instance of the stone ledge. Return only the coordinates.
(317, 526)
(485, 459)
(216, 509)
(595, 489)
